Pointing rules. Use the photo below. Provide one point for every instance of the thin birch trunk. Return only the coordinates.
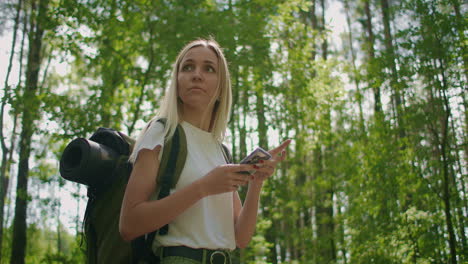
(4, 178)
(388, 40)
(355, 76)
(146, 78)
(29, 115)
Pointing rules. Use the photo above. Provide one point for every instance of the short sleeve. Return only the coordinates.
(153, 136)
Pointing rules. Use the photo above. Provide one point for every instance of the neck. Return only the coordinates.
(199, 118)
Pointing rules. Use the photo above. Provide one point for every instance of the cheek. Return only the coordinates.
(181, 82)
(213, 82)
(180, 79)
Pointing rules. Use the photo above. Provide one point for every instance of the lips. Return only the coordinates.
(195, 88)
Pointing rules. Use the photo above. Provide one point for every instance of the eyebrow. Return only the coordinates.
(205, 61)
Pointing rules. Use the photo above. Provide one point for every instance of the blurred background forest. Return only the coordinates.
(378, 114)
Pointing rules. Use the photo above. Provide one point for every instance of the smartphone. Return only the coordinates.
(255, 157)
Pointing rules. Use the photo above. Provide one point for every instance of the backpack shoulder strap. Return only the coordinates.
(172, 161)
(171, 165)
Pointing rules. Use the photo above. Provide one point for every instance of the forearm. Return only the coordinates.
(246, 222)
(147, 216)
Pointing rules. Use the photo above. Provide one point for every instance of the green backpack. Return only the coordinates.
(101, 163)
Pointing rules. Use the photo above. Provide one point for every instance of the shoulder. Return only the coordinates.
(151, 137)
(155, 128)
(153, 134)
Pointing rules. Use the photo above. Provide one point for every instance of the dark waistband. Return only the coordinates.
(212, 256)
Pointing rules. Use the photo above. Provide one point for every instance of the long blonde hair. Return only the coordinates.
(171, 108)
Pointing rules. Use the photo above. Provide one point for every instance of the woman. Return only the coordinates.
(206, 217)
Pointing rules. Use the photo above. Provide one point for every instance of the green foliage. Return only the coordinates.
(43, 248)
(259, 248)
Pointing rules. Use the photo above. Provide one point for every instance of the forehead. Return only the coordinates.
(201, 53)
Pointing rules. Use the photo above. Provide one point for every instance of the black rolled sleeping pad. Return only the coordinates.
(92, 161)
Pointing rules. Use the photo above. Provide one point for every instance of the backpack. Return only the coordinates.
(101, 163)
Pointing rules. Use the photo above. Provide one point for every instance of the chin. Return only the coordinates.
(195, 104)
(197, 100)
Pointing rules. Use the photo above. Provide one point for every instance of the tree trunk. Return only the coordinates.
(313, 20)
(439, 128)
(356, 74)
(112, 76)
(16, 114)
(445, 151)
(59, 230)
(29, 115)
(371, 54)
(461, 26)
(78, 204)
(322, 29)
(341, 233)
(324, 212)
(4, 179)
(243, 122)
(461, 201)
(235, 116)
(146, 77)
(397, 99)
(461, 34)
(262, 126)
(447, 202)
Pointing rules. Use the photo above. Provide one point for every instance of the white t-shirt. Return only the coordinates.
(209, 223)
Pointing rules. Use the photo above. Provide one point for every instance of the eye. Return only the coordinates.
(187, 67)
(210, 68)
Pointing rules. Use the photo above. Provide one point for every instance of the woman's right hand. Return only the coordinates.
(225, 178)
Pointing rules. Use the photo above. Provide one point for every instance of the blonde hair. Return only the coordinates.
(171, 108)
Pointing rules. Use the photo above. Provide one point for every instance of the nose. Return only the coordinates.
(197, 74)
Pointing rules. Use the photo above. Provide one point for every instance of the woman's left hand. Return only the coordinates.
(266, 168)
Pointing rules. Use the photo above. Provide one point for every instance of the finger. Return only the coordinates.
(280, 147)
(283, 155)
(276, 158)
(239, 167)
(266, 170)
(157, 149)
(272, 163)
(241, 178)
(240, 183)
(267, 163)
